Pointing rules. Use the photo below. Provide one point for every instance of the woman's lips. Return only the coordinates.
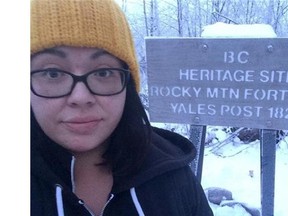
(81, 125)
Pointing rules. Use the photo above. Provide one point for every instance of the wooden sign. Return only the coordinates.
(228, 82)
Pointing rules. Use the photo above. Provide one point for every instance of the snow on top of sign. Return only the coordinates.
(224, 30)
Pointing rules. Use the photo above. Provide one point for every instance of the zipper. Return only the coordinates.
(81, 202)
(86, 207)
(108, 201)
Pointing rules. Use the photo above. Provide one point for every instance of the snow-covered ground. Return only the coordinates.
(236, 167)
(241, 175)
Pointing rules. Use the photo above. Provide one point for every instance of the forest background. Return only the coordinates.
(186, 18)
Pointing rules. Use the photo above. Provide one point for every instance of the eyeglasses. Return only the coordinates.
(55, 83)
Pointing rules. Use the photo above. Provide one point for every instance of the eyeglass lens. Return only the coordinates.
(57, 83)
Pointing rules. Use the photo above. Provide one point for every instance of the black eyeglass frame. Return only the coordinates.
(82, 78)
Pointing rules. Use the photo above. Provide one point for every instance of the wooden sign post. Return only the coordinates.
(228, 82)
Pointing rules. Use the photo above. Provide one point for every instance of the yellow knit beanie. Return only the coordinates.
(83, 23)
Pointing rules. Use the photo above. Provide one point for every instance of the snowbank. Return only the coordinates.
(224, 30)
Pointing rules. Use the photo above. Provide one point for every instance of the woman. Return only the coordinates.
(93, 151)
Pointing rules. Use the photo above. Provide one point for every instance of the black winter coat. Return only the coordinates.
(165, 185)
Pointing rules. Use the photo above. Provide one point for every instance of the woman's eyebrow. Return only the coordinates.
(52, 51)
(99, 53)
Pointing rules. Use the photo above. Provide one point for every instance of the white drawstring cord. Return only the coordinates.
(136, 202)
(59, 200)
(72, 173)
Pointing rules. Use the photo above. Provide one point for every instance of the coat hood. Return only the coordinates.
(168, 151)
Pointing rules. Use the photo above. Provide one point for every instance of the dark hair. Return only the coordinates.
(131, 138)
(129, 141)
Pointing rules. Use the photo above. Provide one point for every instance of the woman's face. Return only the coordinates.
(80, 121)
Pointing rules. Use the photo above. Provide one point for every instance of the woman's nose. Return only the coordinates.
(81, 96)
